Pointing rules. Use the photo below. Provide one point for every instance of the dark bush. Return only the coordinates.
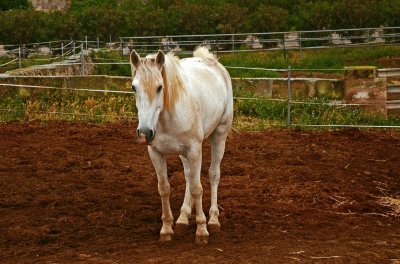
(115, 18)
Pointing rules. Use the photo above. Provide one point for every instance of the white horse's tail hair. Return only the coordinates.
(203, 52)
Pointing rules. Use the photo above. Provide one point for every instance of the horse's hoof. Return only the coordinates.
(165, 237)
(214, 228)
(180, 229)
(201, 240)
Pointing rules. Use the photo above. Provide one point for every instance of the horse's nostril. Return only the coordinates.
(146, 134)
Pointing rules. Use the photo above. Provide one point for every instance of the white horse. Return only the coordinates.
(180, 103)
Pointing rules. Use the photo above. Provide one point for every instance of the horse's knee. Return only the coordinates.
(164, 189)
(196, 191)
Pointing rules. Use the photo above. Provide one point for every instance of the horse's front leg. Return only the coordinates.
(194, 158)
(160, 166)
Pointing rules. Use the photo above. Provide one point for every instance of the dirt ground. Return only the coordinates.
(82, 193)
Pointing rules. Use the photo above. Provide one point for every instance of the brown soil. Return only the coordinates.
(389, 62)
(305, 74)
(81, 193)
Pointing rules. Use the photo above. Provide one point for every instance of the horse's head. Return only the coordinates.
(148, 86)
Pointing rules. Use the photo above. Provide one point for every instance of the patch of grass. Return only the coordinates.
(27, 62)
(249, 114)
(251, 123)
(70, 106)
(311, 112)
(111, 69)
(392, 203)
(332, 58)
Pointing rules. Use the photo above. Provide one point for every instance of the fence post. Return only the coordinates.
(301, 54)
(19, 57)
(73, 47)
(62, 50)
(289, 121)
(86, 42)
(233, 43)
(82, 62)
(284, 47)
(122, 46)
(98, 43)
(217, 44)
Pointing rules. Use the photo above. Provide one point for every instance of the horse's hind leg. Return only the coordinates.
(217, 140)
(186, 209)
(160, 166)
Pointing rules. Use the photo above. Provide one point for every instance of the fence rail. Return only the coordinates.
(242, 42)
(289, 103)
(239, 42)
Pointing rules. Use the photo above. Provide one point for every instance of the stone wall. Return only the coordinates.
(69, 68)
(46, 5)
(363, 86)
(331, 89)
(98, 82)
(266, 87)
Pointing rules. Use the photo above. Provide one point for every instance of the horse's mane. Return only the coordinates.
(173, 77)
(172, 74)
(173, 82)
(205, 54)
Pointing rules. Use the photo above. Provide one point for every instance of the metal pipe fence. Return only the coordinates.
(245, 42)
(220, 43)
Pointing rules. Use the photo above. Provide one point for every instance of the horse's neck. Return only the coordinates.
(182, 112)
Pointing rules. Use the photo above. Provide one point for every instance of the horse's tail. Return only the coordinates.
(204, 53)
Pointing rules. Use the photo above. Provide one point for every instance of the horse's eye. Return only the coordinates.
(134, 88)
(159, 88)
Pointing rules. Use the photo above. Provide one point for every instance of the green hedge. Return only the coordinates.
(115, 18)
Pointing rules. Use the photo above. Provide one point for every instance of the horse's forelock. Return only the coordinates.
(147, 71)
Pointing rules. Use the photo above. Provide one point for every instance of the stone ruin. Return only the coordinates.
(291, 40)
(170, 45)
(3, 52)
(337, 39)
(47, 5)
(377, 36)
(253, 42)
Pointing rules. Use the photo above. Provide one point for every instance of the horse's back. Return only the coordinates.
(209, 83)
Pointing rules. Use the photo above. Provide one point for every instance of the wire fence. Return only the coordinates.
(288, 103)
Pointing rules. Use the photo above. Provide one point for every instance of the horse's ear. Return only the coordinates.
(160, 59)
(135, 59)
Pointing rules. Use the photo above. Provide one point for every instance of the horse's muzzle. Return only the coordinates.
(146, 136)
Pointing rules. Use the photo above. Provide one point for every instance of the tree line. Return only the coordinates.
(19, 23)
